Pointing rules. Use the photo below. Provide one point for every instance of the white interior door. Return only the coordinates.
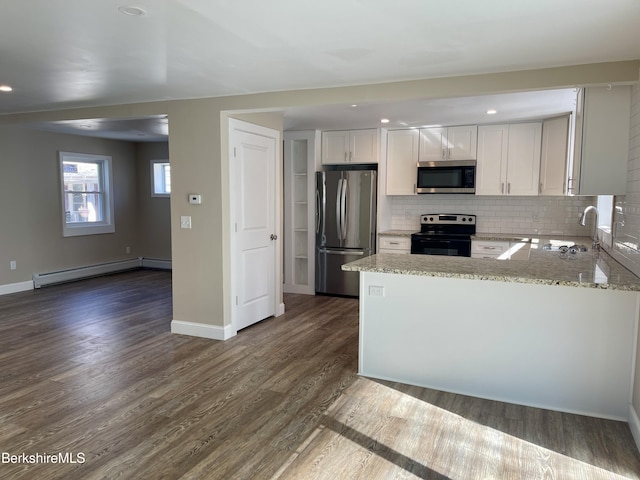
(253, 151)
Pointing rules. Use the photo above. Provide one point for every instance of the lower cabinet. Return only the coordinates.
(501, 249)
(489, 249)
(394, 244)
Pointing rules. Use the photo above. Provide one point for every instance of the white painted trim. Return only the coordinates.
(634, 425)
(213, 332)
(16, 287)
(156, 263)
(280, 310)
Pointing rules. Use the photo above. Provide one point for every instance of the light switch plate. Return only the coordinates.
(185, 221)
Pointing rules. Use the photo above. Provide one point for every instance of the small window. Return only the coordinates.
(87, 200)
(160, 178)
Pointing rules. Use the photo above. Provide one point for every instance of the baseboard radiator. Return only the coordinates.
(44, 279)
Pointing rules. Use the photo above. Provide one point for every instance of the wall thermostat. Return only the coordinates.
(195, 199)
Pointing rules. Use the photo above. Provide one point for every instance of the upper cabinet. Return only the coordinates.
(350, 146)
(402, 161)
(448, 143)
(509, 159)
(601, 148)
(553, 161)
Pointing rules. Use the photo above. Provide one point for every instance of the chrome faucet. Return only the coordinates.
(583, 222)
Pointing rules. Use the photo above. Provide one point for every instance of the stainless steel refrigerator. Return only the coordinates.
(345, 227)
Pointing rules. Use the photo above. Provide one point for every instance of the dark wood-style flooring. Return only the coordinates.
(90, 369)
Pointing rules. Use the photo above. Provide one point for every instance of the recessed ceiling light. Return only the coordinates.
(384, 120)
(491, 111)
(354, 105)
(6, 88)
(131, 11)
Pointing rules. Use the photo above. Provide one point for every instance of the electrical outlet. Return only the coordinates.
(12, 265)
(127, 249)
(376, 291)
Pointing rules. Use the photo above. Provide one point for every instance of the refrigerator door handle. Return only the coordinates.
(339, 209)
(318, 214)
(343, 210)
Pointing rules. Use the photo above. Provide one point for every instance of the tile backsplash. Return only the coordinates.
(518, 215)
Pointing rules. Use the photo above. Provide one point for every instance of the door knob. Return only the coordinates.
(274, 236)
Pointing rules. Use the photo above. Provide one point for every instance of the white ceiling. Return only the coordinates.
(76, 53)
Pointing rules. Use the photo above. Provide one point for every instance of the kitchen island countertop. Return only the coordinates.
(592, 269)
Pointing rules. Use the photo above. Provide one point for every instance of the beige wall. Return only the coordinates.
(31, 204)
(199, 161)
(154, 213)
(30, 200)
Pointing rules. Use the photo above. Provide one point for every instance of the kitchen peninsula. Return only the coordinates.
(554, 331)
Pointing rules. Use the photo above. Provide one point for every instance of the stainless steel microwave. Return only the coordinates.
(448, 176)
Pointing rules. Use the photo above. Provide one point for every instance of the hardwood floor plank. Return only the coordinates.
(91, 367)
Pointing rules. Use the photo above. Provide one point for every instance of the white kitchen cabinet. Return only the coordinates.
(402, 159)
(394, 244)
(350, 146)
(489, 248)
(554, 156)
(448, 143)
(301, 150)
(601, 147)
(509, 159)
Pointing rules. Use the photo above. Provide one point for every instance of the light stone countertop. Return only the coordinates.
(544, 267)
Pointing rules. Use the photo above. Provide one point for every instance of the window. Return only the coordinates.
(87, 200)
(160, 178)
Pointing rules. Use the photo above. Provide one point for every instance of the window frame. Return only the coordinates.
(154, 178)
(107, 224)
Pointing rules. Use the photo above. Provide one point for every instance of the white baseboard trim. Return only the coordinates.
(634, 425)
(155, 263)
(16, 287)
(280, 310)
(213, 332)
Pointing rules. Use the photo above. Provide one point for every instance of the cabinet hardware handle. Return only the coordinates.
(489, 248)
(540, 188)
(502, 187)
(509, 187)
(346, 157)
(350, 156)
(444, 155)
(394, 243)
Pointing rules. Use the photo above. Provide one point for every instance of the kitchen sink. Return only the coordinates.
(568, 247)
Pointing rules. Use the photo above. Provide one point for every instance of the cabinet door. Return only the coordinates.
(462, 142)
(491, 170)
(605, 140)
(523, 168)
(335, 147)
(433, 144)
(363, 146)
(553, 161)
(402, 159)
